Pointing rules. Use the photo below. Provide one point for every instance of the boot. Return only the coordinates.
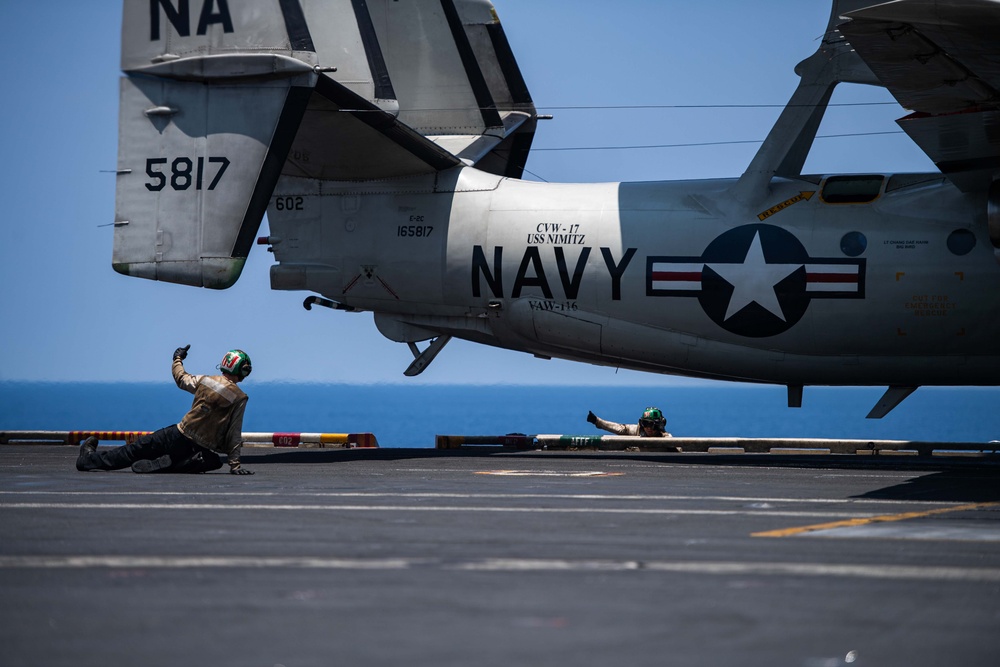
(88, 448)
(160, 464)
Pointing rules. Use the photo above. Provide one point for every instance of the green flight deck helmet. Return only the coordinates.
(236, 362)
(652, 418)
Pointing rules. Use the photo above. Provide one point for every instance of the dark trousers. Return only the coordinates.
(185, 455)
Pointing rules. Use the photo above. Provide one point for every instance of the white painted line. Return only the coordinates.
(486, 496)
(836, 570)
(181, 562)
(547, 473)
(518, 565)
(909, 531)
(736, 568)
(418, 508)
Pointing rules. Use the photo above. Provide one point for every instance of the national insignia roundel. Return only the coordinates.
(755, 280)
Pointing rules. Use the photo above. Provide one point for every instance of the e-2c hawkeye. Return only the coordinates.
(386, 141)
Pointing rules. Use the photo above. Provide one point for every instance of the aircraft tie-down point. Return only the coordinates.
(386, 142)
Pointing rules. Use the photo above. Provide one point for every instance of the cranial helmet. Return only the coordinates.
(652, 417)
(236, 362)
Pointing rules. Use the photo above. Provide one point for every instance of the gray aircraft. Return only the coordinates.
(386, 141)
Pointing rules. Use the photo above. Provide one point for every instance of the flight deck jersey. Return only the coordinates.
(215, 420)
(625, 429)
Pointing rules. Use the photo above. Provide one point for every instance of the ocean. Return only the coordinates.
(411, 415)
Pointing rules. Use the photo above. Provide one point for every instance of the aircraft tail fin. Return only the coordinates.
(220, 99)
(210, 103)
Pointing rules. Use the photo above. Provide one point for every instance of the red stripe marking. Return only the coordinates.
(677, 275)
(387, 288)
(831, 278)
(351, 284)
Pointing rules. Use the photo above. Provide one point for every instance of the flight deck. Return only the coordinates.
(491, 556)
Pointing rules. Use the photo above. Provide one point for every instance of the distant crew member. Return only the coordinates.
(650, 425)
(213, 424)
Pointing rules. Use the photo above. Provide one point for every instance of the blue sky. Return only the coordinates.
(66, 316)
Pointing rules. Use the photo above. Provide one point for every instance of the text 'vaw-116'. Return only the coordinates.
(386, 140)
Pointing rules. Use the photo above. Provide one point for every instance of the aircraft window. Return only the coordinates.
(852, 189)
(961, 242)
(853, 244)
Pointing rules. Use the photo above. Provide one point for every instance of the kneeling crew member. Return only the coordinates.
(650, 425)
(213, 424)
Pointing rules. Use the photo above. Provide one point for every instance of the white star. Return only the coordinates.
(753, 281)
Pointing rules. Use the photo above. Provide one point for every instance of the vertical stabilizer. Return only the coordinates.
(222, 97)
(213, 94)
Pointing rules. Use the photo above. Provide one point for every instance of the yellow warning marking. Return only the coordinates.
(848, 523)
(785, 204)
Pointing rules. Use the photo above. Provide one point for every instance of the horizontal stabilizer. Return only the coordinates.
(221, 98)
(446, 63)
(344, 137)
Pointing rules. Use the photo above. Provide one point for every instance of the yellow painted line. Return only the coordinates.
(848, 523)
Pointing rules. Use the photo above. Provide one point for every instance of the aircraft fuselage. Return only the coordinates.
(842, 280)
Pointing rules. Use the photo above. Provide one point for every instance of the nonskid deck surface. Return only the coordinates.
(485, 556)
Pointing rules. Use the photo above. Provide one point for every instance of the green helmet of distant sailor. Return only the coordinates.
(236, 362)
(652, 418)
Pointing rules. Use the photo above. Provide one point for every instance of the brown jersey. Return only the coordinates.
(215, 420)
